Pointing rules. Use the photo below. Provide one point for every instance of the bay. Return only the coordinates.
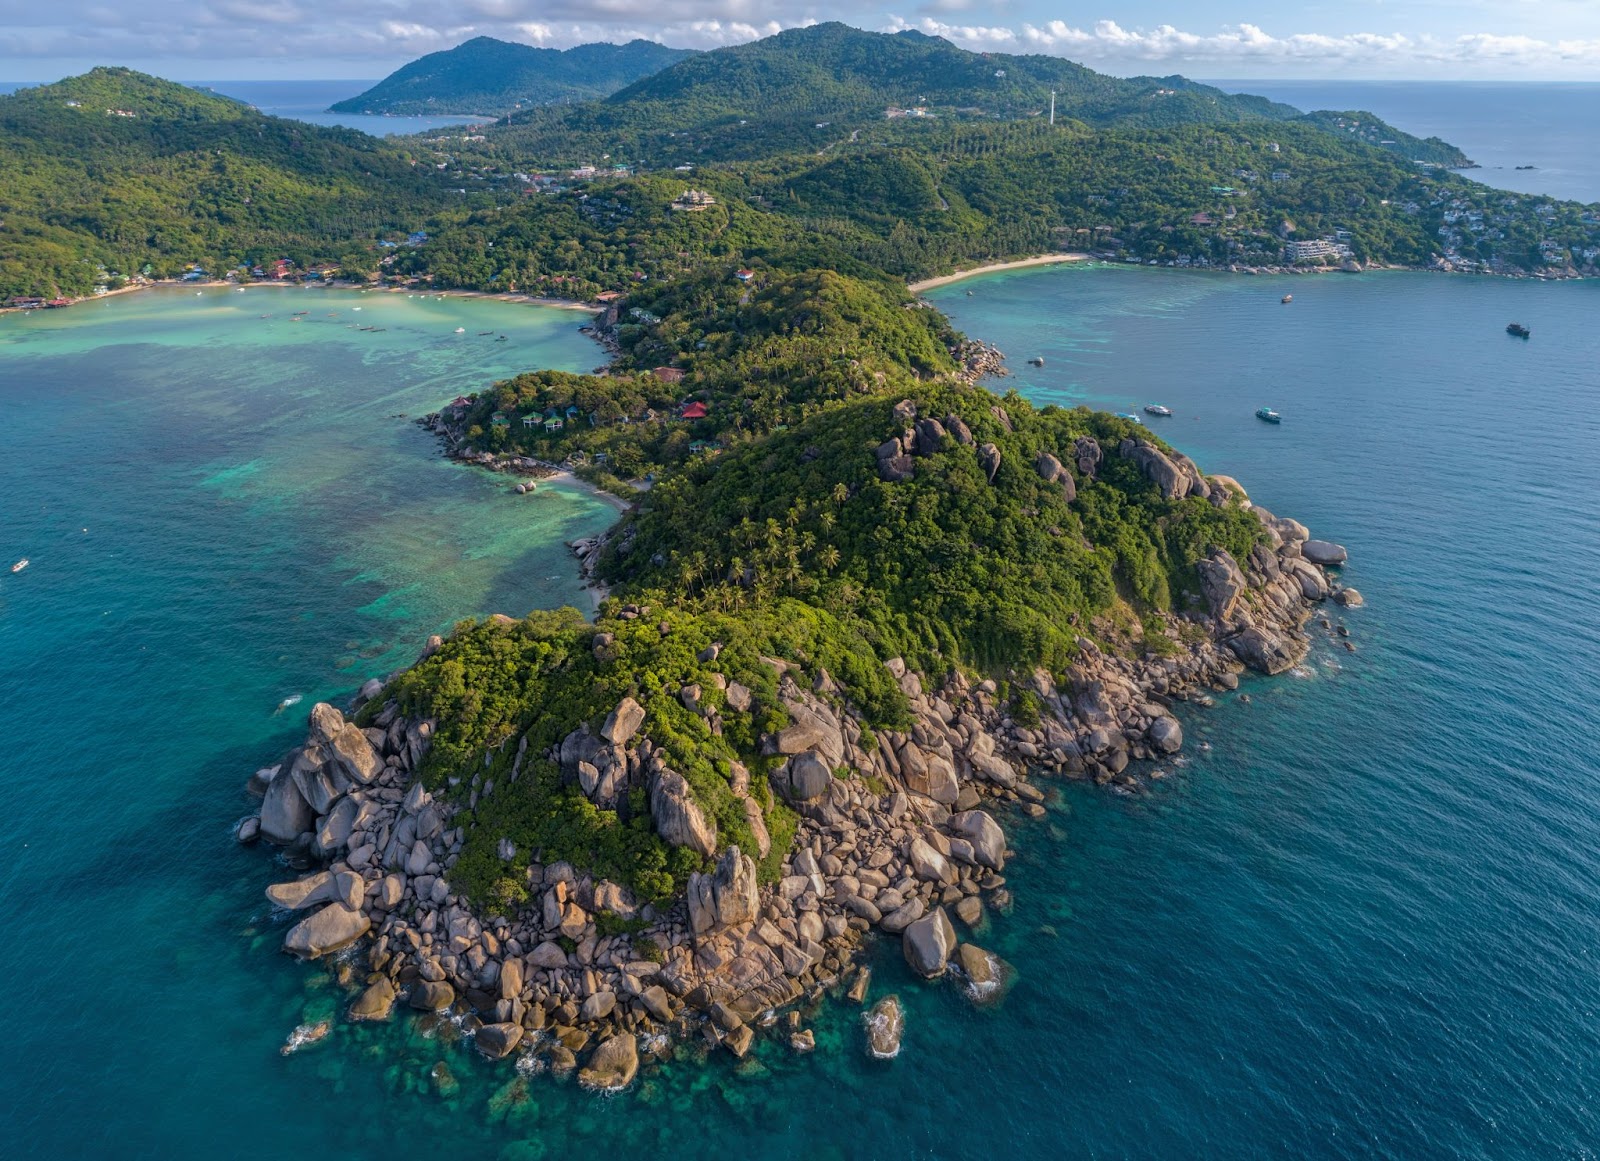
(1357, 922)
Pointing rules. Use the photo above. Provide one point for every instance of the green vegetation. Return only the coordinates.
(484, 75)
(114, 174)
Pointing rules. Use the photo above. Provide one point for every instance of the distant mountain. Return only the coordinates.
(491, 76)
(798, 89)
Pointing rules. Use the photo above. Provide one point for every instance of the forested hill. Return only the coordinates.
(114, 173)
(804, 88)
(485, 75)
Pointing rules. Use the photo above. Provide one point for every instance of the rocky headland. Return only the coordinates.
(901, 834)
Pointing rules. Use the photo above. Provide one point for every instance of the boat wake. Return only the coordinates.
(292, 699)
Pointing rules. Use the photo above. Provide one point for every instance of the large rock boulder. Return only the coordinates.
(333, 927)
(285, 813)
(958, 429)
(928, 943)
(989, 460)
(988, 841)
(1174, 482)
(497, 1041)
(929, 438)
(614, 1064)
(727, 896)
(926, 863)
(1053, 471)
(432, 995)
(300, 893)
(804, 778)
(375, 1003)
(678, 818)
(1324, 552)
(1165, 734)
(334, 828)
(623, 722)
(1222, 583)
(886, 1023)
(1088, 454)
(352, 753)
(1265, 651)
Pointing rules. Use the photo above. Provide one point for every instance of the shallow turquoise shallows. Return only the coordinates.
(1360, 920)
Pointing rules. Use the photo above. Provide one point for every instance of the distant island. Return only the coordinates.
(485, 76)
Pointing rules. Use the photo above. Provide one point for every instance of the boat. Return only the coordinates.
(1518, 330)
(1157, 409)
(1036, 361)
(1288, 298)
(461, 330)
(501, 339)
(482, 333)
(1269, 415)
(1128, 415)
(20, 565)
(292, 699)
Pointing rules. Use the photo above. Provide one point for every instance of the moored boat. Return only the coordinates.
(20, 565)
(1269, 415)
(1518, 330)
(1128, 415)
(1157, 409)
(1288, 298)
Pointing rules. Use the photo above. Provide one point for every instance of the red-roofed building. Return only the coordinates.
(695, 411)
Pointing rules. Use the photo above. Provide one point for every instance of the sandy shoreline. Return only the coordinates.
(1040, 260)
(218, 284)
(568, 479)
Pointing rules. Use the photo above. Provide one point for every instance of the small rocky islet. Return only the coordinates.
(899, 833)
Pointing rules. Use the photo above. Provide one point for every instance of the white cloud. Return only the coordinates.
(1107, 42)
(376, 35)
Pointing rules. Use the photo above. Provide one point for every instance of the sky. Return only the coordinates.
(1519, 40)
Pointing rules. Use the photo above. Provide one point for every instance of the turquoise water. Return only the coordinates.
(1362, 924)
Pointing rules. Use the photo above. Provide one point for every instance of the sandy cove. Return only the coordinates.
(1040, 260)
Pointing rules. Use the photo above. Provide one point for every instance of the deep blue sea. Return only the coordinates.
(1360, 920)
(1553, 127)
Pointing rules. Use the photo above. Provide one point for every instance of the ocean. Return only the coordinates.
(1357, 920)
(1501, 125)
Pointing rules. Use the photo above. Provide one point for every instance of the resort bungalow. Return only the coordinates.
(458, 406)
(530, 421)
(668, 374)
(498, 419)
(744, 275)
(572, 413)
(695, 410)
(554, 423)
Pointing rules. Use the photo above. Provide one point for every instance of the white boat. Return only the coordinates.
(1130, 416)
(461, 330)
(20, 565)
(1157, 409)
